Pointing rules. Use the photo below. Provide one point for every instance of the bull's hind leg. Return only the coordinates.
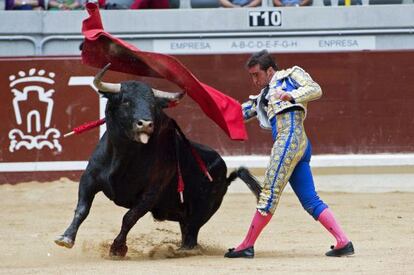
(189, 235)
(87, 191)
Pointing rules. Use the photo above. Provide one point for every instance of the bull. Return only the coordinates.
(138, 162)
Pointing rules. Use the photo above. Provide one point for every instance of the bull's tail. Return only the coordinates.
(233, 175)
(245, 175)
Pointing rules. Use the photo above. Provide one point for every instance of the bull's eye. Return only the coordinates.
(125, 104)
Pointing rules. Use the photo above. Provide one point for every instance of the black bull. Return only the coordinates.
(137, 164)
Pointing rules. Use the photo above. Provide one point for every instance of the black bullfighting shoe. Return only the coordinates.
(245, 253)
(347, 250)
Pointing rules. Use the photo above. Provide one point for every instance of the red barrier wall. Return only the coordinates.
(365, 108)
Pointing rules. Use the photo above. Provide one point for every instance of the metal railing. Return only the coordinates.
(31, 39)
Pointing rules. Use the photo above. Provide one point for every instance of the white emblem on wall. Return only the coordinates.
(33, 131)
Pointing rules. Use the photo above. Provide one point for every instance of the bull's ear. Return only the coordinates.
(167, 99)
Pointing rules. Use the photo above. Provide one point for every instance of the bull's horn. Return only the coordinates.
(167, 95)
(105, 86)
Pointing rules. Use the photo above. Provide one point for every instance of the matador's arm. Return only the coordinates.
(307, 90)
(249, 108)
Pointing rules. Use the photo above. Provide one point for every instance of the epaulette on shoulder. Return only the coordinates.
(281, 74)
(285, 73)
(298, 72)
(253, 97)
(296, 68)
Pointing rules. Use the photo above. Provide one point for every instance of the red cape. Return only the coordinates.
(101, 48)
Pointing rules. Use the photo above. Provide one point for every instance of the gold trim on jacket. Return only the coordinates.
(306, 91)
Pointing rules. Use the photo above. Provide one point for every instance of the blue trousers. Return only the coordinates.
(302, 184)
(289, 162)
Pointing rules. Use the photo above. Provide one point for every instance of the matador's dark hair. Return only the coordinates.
(264, 59)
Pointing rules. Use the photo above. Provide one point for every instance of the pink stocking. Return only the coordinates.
(327, 219)
(258, 223)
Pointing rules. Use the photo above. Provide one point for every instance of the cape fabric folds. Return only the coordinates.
(101, 48)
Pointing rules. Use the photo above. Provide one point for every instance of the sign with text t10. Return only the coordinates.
(265, 18)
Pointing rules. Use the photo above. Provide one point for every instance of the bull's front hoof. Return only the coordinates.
(64, 241)
(118, 250)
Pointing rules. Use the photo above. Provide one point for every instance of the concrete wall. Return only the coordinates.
(56, 33)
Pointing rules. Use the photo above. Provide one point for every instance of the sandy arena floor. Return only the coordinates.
(381, 227)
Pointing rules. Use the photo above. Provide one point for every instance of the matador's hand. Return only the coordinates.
(282, 95)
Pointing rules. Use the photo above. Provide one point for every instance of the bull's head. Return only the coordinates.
(133, 107)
